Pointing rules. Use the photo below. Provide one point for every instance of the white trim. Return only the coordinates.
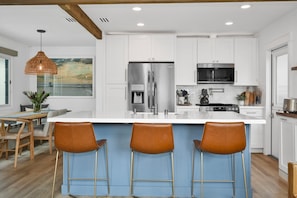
(276, 43)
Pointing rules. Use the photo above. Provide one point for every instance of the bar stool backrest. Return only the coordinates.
(223, 138)
(75, 137)
(152, 138)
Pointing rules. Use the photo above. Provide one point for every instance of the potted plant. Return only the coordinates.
(240, 98)
(37, 98)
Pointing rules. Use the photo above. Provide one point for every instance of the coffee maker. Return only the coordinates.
(204, 97)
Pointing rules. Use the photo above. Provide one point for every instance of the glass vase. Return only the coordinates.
(36, 107)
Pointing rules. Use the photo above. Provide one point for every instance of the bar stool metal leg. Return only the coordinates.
(244, 174)
(201, 174)
(193, 169)
(95, 173)
(55, 173)
(131, 173)
(172, 174)
(233, 173)
(106, 164)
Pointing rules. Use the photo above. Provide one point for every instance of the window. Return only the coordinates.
(280, 78)
(74, 78)
(4, 80)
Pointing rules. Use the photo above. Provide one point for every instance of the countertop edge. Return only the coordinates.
(290, 115)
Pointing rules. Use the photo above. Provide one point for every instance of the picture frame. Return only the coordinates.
(75, 78)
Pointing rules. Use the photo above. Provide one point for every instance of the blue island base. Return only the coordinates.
(155, 166)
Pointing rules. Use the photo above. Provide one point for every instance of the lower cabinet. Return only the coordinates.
(115, 98)
(257, 130)
(288, 135)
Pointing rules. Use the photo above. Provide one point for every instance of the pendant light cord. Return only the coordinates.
(41, 31)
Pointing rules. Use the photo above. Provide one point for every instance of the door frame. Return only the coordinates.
(276, 43)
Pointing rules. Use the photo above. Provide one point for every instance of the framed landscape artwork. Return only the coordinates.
(75, 78)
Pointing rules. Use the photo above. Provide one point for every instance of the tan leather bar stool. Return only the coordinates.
(221, 139)
(151, 139)
(78, 138)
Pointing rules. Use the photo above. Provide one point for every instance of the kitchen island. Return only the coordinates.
(116, 128)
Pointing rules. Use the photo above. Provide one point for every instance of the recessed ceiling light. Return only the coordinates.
(137, 9)
(140, 24)
(245, 6)
(229, 23)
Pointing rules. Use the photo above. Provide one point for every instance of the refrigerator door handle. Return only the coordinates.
(149, 89)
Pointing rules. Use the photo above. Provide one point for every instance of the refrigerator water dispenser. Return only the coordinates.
(137, 91)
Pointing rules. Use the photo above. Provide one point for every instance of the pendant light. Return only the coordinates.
(40, 64)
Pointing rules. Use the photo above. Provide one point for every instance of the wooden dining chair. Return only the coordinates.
(22, 138)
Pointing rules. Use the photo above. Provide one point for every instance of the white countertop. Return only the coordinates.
(129, 117)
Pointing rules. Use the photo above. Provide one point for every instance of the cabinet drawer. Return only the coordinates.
(252, 112)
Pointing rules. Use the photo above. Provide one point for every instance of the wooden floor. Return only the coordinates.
(33, 178)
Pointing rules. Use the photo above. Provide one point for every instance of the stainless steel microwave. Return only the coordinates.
(214, 73)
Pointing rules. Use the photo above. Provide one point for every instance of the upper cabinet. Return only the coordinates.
(246, 65)
(116, 59)
(186, 56)
(152, 47)
(215, 50)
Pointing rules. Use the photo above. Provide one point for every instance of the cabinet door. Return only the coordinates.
(163, 47)
(116, 59)
(256, 130)
(215, 50)
(140, 48)
(115, 98)
(186, 51)
(224, 50)
(204, 50)
(287, 143)
(246, 67)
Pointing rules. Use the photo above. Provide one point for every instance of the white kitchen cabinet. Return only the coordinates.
(245, 59)
(116, 59)
(115, 98)
(159, 47)
(186, 56)
(215, 50)
(116, 73)
(257, 130)
(288, 130)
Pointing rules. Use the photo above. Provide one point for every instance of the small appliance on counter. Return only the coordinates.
(204, 97)
(290, 105)
(182, 97)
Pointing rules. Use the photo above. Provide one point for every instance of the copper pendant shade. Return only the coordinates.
(40, 64)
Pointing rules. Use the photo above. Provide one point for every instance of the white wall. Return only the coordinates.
(75, 103)
(281, 30)
(20, 81)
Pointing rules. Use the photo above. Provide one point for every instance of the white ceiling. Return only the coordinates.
(21, 22)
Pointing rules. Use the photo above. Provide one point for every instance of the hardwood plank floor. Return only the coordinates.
(33, 178)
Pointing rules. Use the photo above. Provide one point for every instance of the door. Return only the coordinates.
(163, 86)
(138, 88)
(279, 85)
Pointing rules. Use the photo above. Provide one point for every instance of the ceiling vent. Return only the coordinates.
(70, 19)
(104, 20)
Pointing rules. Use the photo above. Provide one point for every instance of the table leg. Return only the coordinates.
(31, 126)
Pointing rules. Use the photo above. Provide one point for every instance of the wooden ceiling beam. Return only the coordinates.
(80, 16)
(57, 2)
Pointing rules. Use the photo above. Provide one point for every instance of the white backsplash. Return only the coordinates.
(228, 96)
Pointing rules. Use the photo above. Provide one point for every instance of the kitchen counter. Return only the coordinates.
(291, 115)
(174, 118)
(116, 128)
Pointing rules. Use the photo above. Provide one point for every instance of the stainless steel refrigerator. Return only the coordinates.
(151, 85)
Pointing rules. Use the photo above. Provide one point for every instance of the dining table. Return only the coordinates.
(16, 118)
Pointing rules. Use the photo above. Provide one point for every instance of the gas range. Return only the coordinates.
(219, 107)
